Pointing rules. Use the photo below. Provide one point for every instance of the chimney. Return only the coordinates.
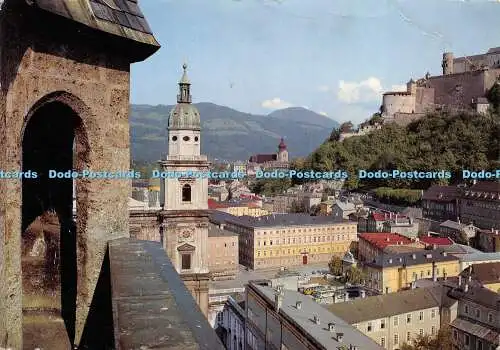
(331, 327)
(278, 298)
(434, 246)
(459, 281)
(340, 337)
(221, 226)
(316, 319)
(413, 285)
(444, 276)
(466, 288)
(363, 293)
(298, 305)
(434, 272)
(346, 296)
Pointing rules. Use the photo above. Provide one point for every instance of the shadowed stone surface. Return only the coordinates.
(152, 309)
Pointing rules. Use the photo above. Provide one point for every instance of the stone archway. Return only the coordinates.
(53, 140)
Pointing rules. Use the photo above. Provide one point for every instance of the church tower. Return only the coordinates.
(184, 199)
(282, 152)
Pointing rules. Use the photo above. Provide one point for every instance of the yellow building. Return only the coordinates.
(288, 239)
(242, 210)
(393, 272)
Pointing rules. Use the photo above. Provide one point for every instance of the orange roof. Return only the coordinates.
(383, 239)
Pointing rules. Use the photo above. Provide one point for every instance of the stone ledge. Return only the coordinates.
(151, 306)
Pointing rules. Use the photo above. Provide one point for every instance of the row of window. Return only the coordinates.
(317, 229)
(306, 240)
(371, 325)
(477, 313)
(185, 138)
(308, 250)
(408, 337)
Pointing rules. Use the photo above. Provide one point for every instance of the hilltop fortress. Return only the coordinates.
(462, 86)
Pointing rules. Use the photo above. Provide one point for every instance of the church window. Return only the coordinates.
(186, 138)
(186, 193)
(174, 138)
(186, 261)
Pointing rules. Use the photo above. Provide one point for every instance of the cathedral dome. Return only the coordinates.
(184, 116)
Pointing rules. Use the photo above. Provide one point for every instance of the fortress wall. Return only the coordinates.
(490, 77)
(424, 100)
(458, 90)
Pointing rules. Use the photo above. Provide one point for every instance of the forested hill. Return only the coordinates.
(230, 134)
(435, 142)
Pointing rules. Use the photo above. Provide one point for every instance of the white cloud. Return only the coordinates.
(400, 87)
(368, 90)
(323, 88)
(275, 103)
(323, 113)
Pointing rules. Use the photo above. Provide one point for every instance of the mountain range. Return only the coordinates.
(228, 134)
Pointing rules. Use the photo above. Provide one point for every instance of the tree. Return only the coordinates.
(335, 265)
(441, 341)
(355, 275)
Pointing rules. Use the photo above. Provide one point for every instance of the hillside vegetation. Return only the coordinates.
(439, 141)
(229, 134)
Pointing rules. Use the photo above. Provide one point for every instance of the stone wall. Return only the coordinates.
(458, 90)
(42, 68)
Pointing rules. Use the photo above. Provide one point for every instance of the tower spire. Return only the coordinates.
(184, 87)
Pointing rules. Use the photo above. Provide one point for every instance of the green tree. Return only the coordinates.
(355, 275)
(335, 265)
(442, 341)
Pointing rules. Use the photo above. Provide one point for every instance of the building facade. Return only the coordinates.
(232, 324)
(222, 253)
(287, 320)
(393, 319)
(480, 205)
(390, 273)
(184, 200)
(289, 239)
(441, 203)
(477, 325)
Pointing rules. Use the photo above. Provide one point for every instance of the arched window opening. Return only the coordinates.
(186, 193)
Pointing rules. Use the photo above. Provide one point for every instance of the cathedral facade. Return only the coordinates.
(184, 200)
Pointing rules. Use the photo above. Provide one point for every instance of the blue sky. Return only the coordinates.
(334, 57)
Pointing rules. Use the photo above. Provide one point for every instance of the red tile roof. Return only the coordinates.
(380, 216)
(214, 204)
(381, 240)
(436, 240)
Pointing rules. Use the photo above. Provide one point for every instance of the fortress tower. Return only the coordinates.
(447, 63)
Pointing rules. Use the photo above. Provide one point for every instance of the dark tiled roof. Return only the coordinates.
(411, 258)
(485, 273)
(119, 17)
(476, 329)
(215, 231)
(478, 295)
(380, 306)
(295, 219)
(485, 187)
(442, 193)
(262, 158)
